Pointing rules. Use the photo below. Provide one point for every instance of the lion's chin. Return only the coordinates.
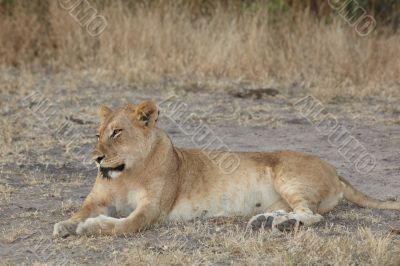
(112, 172)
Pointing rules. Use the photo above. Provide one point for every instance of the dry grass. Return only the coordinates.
(6, 192)
(13, 235)
(236, 246)
(163, 42)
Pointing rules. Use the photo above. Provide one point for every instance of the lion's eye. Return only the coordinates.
(98, 136)
(116, 133)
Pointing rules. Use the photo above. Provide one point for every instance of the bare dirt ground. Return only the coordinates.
(43, 180)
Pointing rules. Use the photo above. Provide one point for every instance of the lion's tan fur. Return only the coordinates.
(163, 182)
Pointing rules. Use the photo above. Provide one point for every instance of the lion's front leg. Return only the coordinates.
(100, 225)
(139, 219)
(90, 207)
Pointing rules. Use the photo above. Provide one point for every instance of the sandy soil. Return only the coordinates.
(43, 181)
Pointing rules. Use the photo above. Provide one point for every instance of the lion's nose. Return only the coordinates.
(99, 158)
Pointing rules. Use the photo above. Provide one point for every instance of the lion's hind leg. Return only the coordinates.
(297, 211)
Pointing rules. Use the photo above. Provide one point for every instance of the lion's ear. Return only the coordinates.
(146, 113)
(104, 112)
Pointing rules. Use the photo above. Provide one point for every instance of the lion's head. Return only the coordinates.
(124, 138)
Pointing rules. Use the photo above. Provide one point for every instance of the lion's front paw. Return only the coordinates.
(96, 226)
(64, 229)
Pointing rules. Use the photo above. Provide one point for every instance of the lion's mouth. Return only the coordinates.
(107, 172)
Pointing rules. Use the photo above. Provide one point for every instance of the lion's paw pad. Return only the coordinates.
(288, 225)
(262, 222)
(276, 221)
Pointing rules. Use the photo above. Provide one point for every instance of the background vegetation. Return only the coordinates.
(261, 42)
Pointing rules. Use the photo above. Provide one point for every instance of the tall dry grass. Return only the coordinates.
(152, 43)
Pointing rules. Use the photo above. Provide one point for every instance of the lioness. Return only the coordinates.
(143, 179)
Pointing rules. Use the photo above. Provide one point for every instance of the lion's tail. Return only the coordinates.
(357, 197)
